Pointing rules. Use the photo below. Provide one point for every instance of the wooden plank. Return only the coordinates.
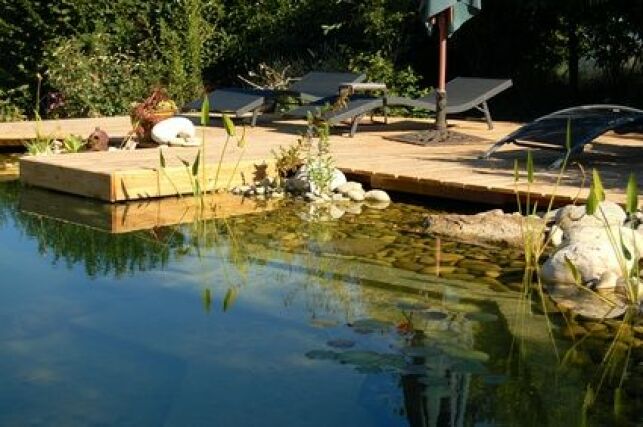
(66, 179)
(20, 131)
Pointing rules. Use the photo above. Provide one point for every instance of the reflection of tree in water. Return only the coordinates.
(101, 253)
(9, 193)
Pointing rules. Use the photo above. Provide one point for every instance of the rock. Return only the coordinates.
(493, 227)
(574, 331)
(355, 195)
(377, 196)
(337, 197)
(587, 242)
(353, 208)
(587, 304)
(338, 179)
(98, 140)
(296, 186)
(354, 246)
(336, 212)
(377, 205)
(174, 131)
(310, 197)
(349, 186)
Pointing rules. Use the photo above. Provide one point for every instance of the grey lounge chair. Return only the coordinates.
(586, 123)
(311, 87)
(463, 94)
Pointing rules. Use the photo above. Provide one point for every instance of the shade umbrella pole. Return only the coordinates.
(440, 94)
(442, 33)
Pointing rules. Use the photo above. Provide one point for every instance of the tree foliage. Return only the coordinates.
(571, 51)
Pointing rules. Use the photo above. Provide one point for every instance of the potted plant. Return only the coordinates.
(156, 107)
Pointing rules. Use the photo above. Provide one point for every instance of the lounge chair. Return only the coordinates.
(312, 87)
(463, 94)
(586, 123)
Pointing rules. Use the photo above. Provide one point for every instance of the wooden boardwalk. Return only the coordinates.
(448, 170)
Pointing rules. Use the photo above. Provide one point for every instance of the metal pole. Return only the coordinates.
(443, 21)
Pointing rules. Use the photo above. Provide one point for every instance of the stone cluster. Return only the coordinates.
(344, 196)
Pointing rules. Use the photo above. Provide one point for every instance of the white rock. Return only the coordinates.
(310, 197)
(595, 257)
(173, 131)
(338, 179)
(336, 212)
(353, 208)
(355, 195)
(377, 196)
(349, 186)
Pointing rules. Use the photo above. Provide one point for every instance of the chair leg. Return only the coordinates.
(492, 150)
(255, 114)
(355, 123)
(487, 114)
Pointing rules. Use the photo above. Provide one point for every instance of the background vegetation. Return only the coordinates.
(98, 56)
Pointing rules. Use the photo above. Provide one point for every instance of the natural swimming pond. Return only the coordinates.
(274, 319)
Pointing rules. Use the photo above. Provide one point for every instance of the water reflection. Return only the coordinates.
(222, 322)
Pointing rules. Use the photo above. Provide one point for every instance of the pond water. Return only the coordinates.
(273, 319)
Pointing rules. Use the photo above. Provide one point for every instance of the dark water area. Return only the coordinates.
(286, 317)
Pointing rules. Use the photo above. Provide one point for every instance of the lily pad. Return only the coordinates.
(341, 343)
(367, 326)
(481, 317)
(322, 355)
(433, 315)
(464, 353)
(423, 351)
(411, 305)
(324, 323)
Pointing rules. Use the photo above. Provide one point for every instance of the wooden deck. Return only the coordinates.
(445, 170)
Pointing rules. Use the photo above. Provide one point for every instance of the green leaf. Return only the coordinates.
(632, 192)
(205, 110)
(229, 298)
(619, 404)
(592, 201)
(229, 125)
(530, 167)
(516, 170)
(207, 299)
(598, 185)
(241, 143)
(185, 162)
(626, 252)
(162, 159)
(195, 165)
(568, 135)
(573, 270)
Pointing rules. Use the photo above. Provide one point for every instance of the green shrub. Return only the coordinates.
(10, 102)
(95, 78)
(404, 81)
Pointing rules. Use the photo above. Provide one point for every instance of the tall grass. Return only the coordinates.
(536, 242)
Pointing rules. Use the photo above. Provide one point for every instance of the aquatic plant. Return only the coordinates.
(73, 144)
(316, 147)
(536, 242)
